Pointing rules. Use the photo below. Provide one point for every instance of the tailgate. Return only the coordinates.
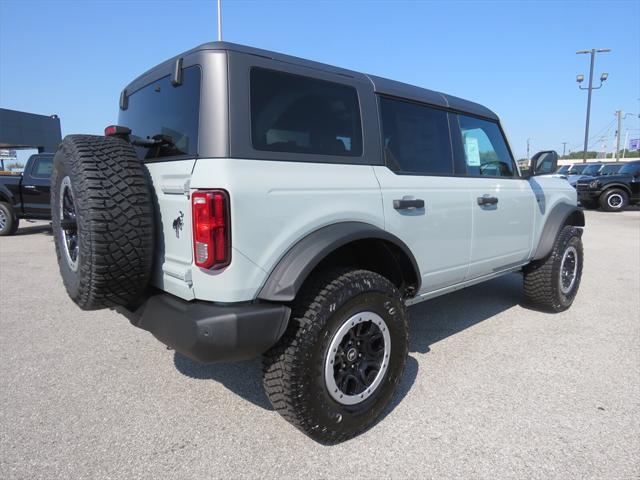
(172, 270)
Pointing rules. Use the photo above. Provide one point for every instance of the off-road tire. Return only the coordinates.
(542, 282)
(294, 378)
(607, 197)
(114, 213)
(11, 223)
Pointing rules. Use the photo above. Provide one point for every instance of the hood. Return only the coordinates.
(606, 178)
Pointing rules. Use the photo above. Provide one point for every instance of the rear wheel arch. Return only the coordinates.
(6, 196)
(345, 244)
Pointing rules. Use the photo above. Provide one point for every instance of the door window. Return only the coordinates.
(416, 138)
(485, 149)
(42, 168)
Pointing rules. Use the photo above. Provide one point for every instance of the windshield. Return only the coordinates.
(577, 169)
(630, 169)
(563, 169)
(591, 169)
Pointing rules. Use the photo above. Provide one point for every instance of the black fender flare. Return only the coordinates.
(6, 195)
(292, 270)
(561, 215)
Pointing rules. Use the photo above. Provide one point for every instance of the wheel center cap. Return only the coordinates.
(352, 354)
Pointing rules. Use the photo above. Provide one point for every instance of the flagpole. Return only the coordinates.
(219, 21)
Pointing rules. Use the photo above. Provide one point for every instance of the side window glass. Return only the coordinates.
(416, 138)
(43, 168)
(485, 149)
(293, 113)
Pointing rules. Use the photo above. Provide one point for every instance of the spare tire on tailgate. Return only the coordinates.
(102, 215)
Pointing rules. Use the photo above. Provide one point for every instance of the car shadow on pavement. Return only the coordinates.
(33, 229)
(429, 322)
(437, 319)
(242, 378)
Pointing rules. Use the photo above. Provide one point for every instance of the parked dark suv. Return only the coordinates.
(612, 192)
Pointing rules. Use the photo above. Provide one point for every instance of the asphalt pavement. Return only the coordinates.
(491, 390)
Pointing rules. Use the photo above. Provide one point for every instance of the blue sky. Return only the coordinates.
(518, 58)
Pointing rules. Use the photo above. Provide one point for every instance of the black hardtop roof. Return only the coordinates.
(380, 85)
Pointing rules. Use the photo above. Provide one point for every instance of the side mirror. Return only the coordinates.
(543, 163)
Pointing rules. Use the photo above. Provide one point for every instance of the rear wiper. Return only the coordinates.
(155, 141)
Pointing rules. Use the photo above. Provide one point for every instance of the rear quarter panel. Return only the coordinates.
(275, 204)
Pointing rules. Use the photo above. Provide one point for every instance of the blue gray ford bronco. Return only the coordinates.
(253, 203)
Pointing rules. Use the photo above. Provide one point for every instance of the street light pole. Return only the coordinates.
(590, 89)
(564, 147)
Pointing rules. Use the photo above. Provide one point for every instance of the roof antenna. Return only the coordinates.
(219, 20)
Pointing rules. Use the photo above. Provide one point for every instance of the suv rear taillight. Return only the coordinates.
(211, 228)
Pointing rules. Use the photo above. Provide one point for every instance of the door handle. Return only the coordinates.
(487, 200)
(29, 187)
(406, 204)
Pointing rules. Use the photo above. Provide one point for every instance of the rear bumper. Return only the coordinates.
(209, 332)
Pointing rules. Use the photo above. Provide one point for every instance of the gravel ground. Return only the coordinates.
(492, 390)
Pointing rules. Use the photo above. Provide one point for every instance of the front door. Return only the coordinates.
(36, 188)
(502, 202)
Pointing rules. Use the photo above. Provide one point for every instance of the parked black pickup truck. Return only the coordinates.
(26, 195)
(612, 192)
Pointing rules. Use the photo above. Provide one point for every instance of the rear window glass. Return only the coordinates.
(416, 138)
(297, 114)
(162, 109)
(42, 167)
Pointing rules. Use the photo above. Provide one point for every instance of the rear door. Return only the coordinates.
(424, 204)
(502, 203)
(36, 187)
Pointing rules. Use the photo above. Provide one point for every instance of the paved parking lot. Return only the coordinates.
(492, 390)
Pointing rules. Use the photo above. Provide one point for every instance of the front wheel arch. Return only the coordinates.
(562, 215)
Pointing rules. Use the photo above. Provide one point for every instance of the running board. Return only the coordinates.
(459, 286)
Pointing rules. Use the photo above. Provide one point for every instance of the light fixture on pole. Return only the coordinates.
(590, 88)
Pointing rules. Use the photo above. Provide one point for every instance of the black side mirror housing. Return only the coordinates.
(544, 163)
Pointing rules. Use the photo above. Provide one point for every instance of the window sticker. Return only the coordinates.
(472, 151)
